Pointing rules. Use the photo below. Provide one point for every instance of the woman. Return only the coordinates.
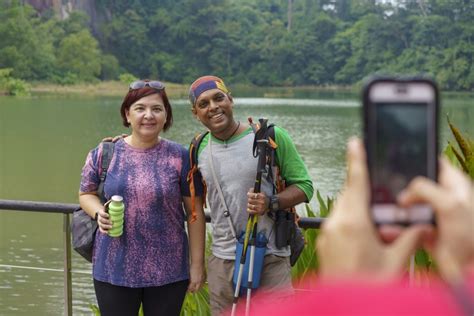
(148, 263)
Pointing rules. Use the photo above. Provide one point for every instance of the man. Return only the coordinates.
(228, 147)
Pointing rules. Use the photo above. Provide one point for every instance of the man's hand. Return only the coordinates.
(257, 203)
(114, 139)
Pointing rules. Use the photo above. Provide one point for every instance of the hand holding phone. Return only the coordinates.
(401, 140)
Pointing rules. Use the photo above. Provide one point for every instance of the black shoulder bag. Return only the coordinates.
(84, 227)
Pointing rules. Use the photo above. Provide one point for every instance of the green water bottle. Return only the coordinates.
(116, 213)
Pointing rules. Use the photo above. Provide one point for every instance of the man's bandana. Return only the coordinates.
(203, 84)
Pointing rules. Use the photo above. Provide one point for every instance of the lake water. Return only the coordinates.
(44, 140)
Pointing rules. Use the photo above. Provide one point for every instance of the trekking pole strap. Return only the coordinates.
(219, 190)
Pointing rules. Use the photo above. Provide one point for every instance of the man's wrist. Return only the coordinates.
(274, 203)
(96, 216)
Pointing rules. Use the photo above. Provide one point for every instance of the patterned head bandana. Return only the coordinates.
(203, 84)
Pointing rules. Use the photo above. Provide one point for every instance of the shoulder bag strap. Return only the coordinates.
(219, 189)
(107, 153)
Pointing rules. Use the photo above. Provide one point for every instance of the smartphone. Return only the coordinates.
(401, 141)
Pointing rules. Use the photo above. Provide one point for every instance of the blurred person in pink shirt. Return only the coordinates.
(362, 268)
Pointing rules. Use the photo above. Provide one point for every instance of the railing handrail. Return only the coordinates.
(36, 206)
(67, 208)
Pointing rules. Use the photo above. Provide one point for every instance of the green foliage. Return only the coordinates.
(25, 44)
(110, 68)
(95, 309)
(12, 86)
(78, 54)
(127, 78)
(423, 259)
(464, 156)
(246, 41)
(196, 303)
(324, 206)
(308, 262)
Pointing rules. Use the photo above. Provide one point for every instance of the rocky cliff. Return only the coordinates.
(63, 8)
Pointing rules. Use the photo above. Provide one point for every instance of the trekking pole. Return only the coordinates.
(262, 143)
(251, 229)
(251, 266)
(252, 221)
(243, 258)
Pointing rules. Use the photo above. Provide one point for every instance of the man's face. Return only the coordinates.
(214, 109)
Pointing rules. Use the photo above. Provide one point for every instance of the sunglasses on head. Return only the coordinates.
(142, 84)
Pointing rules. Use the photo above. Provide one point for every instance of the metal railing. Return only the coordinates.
(66, 210)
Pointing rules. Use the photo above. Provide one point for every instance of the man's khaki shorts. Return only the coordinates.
(276, 277)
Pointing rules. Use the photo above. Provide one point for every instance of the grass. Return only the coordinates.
(102, 88)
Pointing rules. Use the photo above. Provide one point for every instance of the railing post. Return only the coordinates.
(67, 267)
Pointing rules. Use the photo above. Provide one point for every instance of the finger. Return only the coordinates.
(105, 224)
(253, 196)
(357, 175)
(190, 287)
(406, 244)
(423, 190)
(356, 192)
(451, 177)
(193, 287)
(103, 231)
(250, 209)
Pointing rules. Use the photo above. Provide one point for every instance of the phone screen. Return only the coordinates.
(400, 151)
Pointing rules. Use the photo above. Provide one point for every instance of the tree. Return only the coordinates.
(79, 55)
(25, 45)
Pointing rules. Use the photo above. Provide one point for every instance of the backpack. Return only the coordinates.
(287, 231)
(83, 227)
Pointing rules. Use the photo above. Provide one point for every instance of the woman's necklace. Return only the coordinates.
(231, 135)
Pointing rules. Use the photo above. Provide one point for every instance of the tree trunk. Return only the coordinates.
(290, 13)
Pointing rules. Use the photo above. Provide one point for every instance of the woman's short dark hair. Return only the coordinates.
(135, 95)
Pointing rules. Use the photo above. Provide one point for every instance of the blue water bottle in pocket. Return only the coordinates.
(260, 248)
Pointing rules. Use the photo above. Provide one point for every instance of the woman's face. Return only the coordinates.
(147, 116)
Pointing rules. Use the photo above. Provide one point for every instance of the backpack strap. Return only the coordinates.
(277, 180)
(193, 161)
(106, 157)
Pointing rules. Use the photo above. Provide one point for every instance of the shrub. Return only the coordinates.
(127, 78)
(12, 86)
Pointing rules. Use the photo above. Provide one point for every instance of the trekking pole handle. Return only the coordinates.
(262, 159)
